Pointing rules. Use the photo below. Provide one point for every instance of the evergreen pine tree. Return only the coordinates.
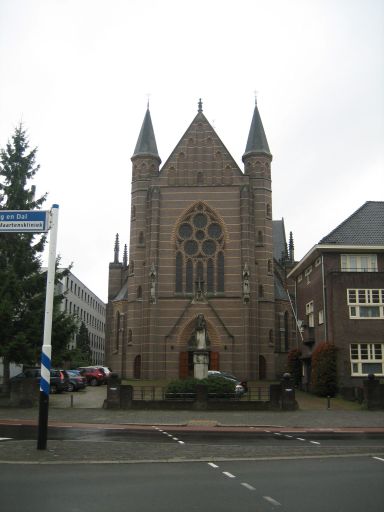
(21, 283)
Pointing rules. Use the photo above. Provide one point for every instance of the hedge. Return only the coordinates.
(324, 370)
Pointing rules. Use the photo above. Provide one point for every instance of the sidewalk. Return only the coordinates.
(312, 414)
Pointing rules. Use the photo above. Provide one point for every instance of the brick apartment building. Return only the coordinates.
(340, 296)
(202, 240)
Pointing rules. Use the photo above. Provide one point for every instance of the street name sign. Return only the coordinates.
(24, 221)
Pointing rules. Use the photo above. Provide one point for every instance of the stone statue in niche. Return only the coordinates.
(246, 284)
(152, 281)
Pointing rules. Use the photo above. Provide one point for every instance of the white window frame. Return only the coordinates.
(365, 303)
(364, 354)
(309, 311)
(321, 316)
(358, 263)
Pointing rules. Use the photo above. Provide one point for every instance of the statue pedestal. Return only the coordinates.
(200, 364)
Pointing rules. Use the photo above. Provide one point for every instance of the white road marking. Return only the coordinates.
(314, 442)
(272, 501)
(229, 475)
(277, 434)
(247, 486)
(181, 442)
(212, 465)
(379, 458)
(300, 439)
(286, 435)
(5, 438)
(175, 438)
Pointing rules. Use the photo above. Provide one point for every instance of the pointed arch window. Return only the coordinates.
(139, 293)
(200, 240)
(179, 272)
(189, 277)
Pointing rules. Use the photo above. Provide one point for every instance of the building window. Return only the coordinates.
(359, 263)
(261, 291)
(321, 316)
(200, 242)
(139, 293)
(179, 272)
(260, 238)
(141, 238)
(270, 267)
(367, 358)
(269, 211)
(365, 303)
(309, 311)
(286, 331)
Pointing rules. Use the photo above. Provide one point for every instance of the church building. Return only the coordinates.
(202, 245)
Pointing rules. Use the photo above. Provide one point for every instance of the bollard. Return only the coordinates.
(71, 401)
(328, 402)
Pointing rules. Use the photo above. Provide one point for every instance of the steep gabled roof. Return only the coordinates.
(193, 144)
(279, 240)
(364, 227)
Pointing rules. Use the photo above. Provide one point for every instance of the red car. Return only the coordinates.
(94, 375)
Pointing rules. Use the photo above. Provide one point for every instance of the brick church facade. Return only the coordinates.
(202, 241)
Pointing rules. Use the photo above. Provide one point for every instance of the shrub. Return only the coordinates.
(324, 370)
(294, 365)
(216, 385)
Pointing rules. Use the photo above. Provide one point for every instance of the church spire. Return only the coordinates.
(146, 143)
(257, 141)
(116, 249)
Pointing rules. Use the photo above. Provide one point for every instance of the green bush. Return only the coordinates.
(216, 385)
(324, 370)
(294, 365)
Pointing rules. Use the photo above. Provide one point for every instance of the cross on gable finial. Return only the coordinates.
(200, 106)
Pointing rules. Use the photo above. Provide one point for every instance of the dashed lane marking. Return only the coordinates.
(229, 475)
(212, 465)
(300, 439)
(379, 458)
(248, 486)
(5, 438)
(272, 501)
(314, 442)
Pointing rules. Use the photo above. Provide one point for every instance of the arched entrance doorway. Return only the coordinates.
(186, 363)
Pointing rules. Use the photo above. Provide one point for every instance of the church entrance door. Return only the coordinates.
(186, 363)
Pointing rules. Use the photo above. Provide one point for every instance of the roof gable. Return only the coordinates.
(364, 227)
(200, 150)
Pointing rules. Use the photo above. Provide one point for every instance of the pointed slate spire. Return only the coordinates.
(291, 248)
(116, 249)
(257, 141)
(125, 256)
(146, 143)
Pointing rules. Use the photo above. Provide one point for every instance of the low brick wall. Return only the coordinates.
(121, 396)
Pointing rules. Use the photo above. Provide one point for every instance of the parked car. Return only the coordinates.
(94, 375)
(241, 387)
(76, 380)
(58, 380)
(106, 369)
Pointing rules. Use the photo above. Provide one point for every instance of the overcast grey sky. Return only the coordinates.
(77, 74)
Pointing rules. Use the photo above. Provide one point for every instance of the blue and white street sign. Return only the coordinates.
(24, 221)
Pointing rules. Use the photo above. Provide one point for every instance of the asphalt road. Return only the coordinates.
(71, 443)
(348, 484)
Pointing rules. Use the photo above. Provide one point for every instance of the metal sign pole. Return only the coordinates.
(47, 347)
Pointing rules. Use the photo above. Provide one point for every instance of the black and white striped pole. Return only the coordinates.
(47, 346)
